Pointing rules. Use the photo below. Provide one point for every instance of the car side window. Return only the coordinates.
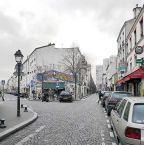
(126, 113)
(121, 107)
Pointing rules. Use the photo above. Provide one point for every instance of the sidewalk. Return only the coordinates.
(8, 111)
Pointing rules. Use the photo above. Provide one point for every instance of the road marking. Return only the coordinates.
(113, 143)
(41, 128)
(111, 134)
(30, 136)
(107, 121)
(103, 143)
(109, 126)
(105, 116)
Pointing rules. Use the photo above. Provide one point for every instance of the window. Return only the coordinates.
(141, 27)
(121, 107)
(126, 113)
(130, 44)
(135, 57)
(131, 66)
(135, 39)
(138, 113)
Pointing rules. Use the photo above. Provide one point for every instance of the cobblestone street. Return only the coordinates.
(79, 123)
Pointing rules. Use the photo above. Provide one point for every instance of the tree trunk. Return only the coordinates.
(75, 77)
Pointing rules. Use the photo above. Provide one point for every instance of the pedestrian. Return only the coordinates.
(34, 94)
(100, 95)
(1, 95)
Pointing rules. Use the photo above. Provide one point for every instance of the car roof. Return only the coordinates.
(135, 99)
(121, 92)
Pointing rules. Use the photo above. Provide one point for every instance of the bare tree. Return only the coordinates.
(71, 62)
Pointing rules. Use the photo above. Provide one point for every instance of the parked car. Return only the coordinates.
(113, 99)
(105, 95)
(127, 121)
(23, 95)
(65, 96)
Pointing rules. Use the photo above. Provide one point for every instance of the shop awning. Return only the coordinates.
(53, 85)
(138, 74)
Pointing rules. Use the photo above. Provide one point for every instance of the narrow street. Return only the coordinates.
(79, 123)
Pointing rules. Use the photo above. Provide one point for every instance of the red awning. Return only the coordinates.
(139, 73)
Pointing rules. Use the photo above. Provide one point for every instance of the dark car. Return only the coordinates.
(23, 95)
(113, 99)
(65, 96)
(105, 96)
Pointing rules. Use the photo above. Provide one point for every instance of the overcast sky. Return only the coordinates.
(91, 24)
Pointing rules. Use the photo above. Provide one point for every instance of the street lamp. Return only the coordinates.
(18, 58)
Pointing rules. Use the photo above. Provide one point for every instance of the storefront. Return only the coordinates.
(133, 82)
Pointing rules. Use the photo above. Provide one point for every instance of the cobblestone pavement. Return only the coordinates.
(78, 123)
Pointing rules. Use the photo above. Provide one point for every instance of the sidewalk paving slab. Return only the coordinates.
(8, 111)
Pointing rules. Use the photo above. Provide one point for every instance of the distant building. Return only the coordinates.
(111, 72)
(99, 72)
(44, 69)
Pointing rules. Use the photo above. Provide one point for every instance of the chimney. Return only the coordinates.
(136, 10)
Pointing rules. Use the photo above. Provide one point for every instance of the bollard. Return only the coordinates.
(22, 106)
(25, 109)
(2, 123)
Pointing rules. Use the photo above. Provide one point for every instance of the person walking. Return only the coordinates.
(34, 94)
(100, 95)
(1, 95)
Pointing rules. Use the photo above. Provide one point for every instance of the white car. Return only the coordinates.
(127, 121)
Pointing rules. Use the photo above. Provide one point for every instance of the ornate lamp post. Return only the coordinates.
(18, 58)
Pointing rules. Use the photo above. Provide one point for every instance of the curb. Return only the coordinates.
(12, 130)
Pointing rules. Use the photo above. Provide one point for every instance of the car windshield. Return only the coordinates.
(138, 113)
(107, 93)
(120, 95)
(64, 93)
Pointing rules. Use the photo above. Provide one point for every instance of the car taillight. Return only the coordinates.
(134, 133)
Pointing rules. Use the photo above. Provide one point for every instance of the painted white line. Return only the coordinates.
(41, 128)
(109, 126)
(103, 139)
(105, 116)
(107, 121)
(113, 143)
(103, 143)
(111, 134)
(30, 136)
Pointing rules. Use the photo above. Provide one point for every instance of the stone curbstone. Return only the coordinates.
(18, 127)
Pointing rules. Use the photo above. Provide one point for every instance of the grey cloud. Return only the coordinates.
(109, 14)
(8, 25)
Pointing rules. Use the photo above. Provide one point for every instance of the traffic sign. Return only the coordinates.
(3, 82)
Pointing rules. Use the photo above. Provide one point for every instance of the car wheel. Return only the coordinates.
(119, 142)
(108, 112)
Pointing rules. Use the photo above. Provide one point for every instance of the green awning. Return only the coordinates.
(53, 85)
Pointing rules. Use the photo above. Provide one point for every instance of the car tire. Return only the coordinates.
(108, 112)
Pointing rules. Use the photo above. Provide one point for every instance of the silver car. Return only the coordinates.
(127, 121)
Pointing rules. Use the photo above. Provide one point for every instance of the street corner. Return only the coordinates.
(13, 123)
